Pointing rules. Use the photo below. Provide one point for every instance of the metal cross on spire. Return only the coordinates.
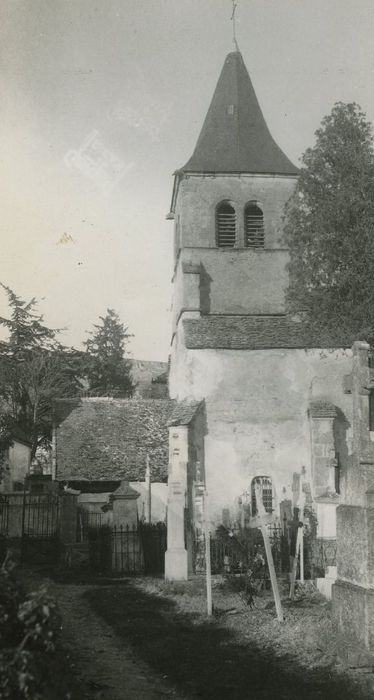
(233, 19)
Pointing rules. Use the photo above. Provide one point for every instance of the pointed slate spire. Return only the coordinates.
(235, 137)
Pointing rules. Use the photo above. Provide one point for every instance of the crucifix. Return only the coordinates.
(234, 6)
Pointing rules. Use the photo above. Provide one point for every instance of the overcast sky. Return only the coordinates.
(128, 83)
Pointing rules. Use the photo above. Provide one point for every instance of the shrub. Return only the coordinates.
(29, 625)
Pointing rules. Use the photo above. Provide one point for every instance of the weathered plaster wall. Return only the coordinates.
(94, 501)
(257, 410)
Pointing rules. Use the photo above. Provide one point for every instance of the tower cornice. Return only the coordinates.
(180, 175)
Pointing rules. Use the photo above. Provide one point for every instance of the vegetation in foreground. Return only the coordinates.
(32, 664)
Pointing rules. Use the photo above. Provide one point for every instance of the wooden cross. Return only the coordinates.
(269, 553)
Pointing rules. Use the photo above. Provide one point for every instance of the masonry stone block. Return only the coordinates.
(353, 609)
(125, 509)
(352, 552)
(176, 565)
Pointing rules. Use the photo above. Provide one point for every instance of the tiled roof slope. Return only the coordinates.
(101, 439)
(108, 439)
(235, 136)
(253, 333)
(183, 412)
(322, 409)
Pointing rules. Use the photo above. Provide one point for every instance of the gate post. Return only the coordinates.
(176, 562)
(126, 548)
(68, 501)
(125, 509)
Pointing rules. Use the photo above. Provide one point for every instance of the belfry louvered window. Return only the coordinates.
(254, 226)
(225, 225)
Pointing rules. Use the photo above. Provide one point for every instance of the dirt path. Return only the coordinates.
(105, 664)
(129, 644)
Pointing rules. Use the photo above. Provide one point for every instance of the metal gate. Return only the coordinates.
(128, 550)
(4, 515)
(154, 543)
(4, 526)
(40, 527)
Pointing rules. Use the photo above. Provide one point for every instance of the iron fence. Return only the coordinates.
(234, 551)
(116, 549)
(87, 521)
(40, 527)
(319, 553)
(154, 544)
(41, 516)
(128, 549)
(4, 515)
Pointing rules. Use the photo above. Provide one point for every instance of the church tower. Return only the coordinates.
(234, 348)
(227, 204)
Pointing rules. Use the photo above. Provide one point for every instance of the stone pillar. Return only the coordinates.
(68, 516)
(148, 493)
(353, 592)
(176, 559)
(54, 451)
(126, 551)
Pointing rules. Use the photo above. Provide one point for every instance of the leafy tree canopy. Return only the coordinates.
(107, 369)
(330, 228)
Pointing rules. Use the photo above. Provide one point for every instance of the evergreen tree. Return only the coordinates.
(26, 329)
(330, 228)
(107, 370)
(35, 369)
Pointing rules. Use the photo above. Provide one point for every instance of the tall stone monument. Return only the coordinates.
(353, 592)
(176, 558)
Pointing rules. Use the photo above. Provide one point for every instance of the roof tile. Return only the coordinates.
(106, 439)
(109, 439)
(235, 136)
(254, 333)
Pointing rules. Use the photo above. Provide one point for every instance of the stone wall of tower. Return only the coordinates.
(199, 195)
(234, 280)
(230, 281)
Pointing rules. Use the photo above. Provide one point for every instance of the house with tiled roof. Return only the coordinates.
(99, 442)
(106, 440)
(260, 375)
